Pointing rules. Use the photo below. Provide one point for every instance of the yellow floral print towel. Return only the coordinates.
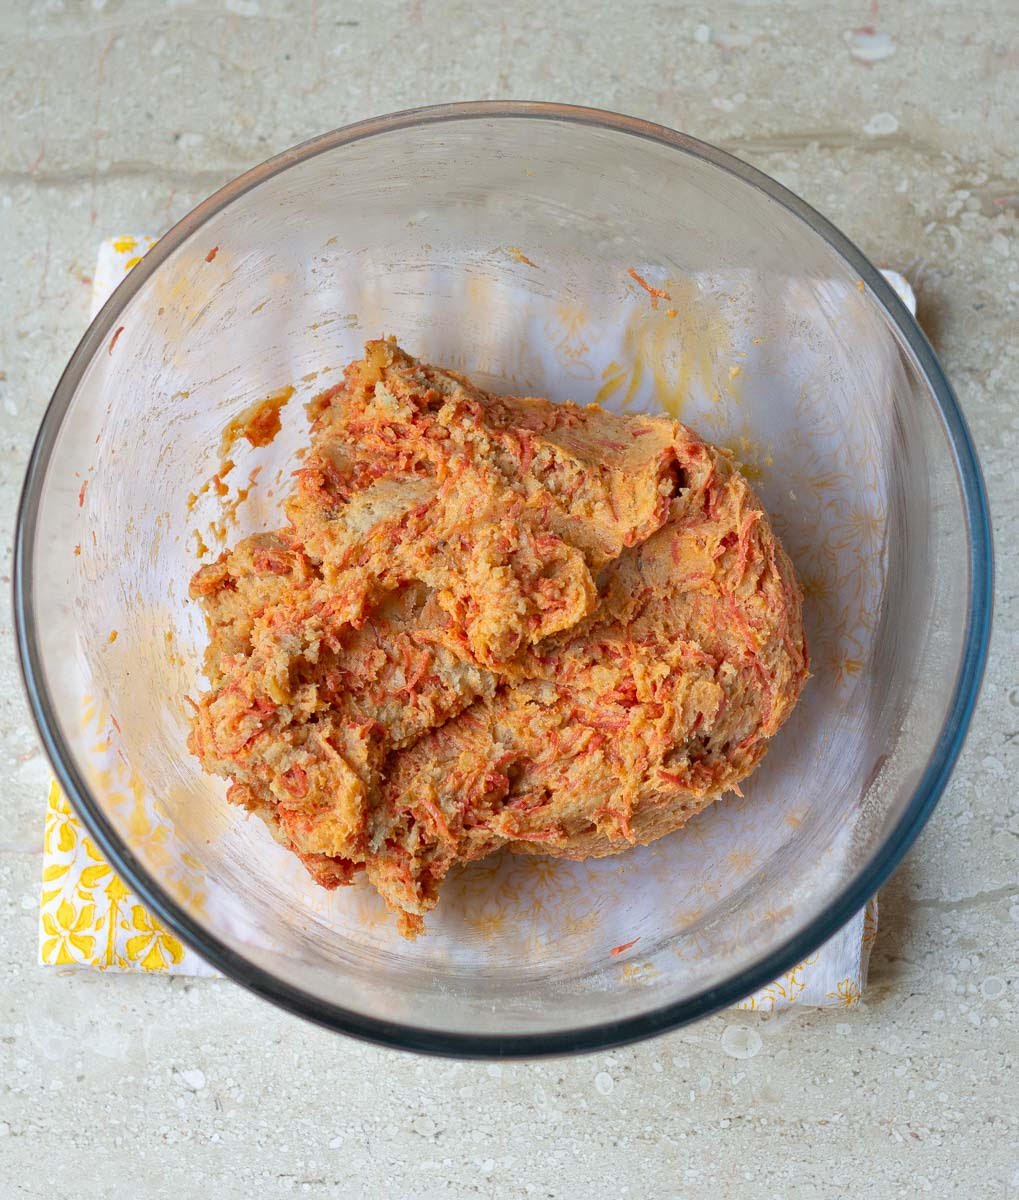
(89, 918)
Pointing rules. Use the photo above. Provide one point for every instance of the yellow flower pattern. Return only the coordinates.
(782, 992)
(66, 933)
(846, 993)
(61, 835)
(870, 923)
(88, 917)
(151, 947)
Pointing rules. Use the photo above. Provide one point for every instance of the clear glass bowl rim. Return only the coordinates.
(564, 1041)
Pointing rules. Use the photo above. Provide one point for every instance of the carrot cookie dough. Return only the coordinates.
(492, 621)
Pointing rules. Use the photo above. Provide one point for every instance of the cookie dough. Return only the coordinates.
(492, 622)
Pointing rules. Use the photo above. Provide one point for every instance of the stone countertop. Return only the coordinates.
(898, 122)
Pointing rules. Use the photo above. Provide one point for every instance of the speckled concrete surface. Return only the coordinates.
(121, 116)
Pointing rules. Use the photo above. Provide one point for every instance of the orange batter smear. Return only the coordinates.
(259, 423)
(492, 622)
(215, 482)
(656, 294)
(230, 506)
(520, 257)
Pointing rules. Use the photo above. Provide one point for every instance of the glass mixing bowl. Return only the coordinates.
(518, 242)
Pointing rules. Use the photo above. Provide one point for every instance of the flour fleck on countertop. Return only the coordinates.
(738, 1041)
(604, 1082)
(881, 124)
